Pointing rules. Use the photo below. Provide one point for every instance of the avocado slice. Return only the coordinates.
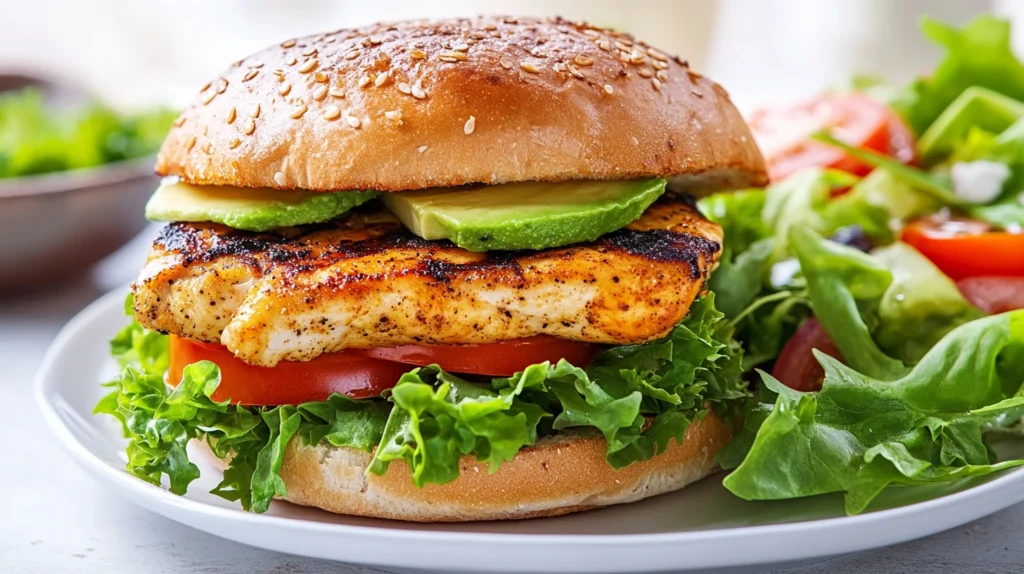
(251, 209)
(976, 107)
(529, 215)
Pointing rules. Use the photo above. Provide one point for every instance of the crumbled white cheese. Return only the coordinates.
(979, 181)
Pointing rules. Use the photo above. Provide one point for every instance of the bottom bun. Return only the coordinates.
(562, 473)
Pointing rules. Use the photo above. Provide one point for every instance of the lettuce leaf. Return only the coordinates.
(979, 54)
(860, 434)
(639, 397)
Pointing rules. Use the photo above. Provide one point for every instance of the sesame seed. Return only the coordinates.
(231, 115)
(222, 86)
(255, 111)
(582, 60)
(353, 121)
(530, 67)
(364, 81)
(249, 126)
(180, 121)
(637, 57)
(417, 54)
(478, 35)
(352, 55)
(291, 61)
(421, 149)
(234, 143)
(538, 53)
(592, 33)
(659, 65)
(191, 143)
(575, 72)
(657, 55)
(205, 87)
(375, 40)
(634, 140)
(608, 89)
(394, 116)
(418, 92)
(209, 97)
(470, 125)
(381, 79)
(461, 47)
(257, 65)
(332, 112)
(309, 52)
(297, 112)
(452, 57)
(657, 84)
(336, 93)
(280, 179)
(234, 164)
(307, 66)
(284, 88)
(320, 77)
(662, 75)
(320, 93)
(505, 62)
(404, 88)
(559, 67)
(645, 72)
(605, 45)
(288, 44)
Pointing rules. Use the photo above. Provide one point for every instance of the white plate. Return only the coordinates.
(699, 528)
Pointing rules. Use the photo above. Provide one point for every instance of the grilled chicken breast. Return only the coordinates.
(365, 281)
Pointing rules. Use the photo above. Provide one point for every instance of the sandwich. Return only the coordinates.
(439, 271)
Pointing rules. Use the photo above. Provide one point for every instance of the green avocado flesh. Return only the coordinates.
(533, 215)
(251, 209)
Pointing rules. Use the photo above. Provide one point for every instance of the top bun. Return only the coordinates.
(411, 105)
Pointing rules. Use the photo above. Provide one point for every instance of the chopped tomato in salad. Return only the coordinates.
(784, 133)
(964, 248)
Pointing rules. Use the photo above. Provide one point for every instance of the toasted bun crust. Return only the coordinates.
(419, 104)
(561, 474)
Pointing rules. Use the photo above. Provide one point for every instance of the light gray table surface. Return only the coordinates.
(54, 518)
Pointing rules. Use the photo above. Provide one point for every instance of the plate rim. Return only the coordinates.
(978, 500)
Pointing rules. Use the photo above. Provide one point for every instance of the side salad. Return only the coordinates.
(875, 284)
(36, 139)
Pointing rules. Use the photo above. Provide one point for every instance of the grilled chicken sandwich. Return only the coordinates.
(439, 271)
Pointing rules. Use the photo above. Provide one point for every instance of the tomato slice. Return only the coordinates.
(993, 294)
(363, 373)
(783, 133)
(796, 366)
(289, 382)
(497, 359)
(967, 248)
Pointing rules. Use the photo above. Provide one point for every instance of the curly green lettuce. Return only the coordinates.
(638, 397)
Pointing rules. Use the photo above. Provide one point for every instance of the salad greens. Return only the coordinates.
(35, 139)
(639, 397)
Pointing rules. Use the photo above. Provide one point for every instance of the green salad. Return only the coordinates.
(861, 330)
(36, 139)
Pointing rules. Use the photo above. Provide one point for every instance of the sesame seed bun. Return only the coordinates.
(412, 105)
(563, 473)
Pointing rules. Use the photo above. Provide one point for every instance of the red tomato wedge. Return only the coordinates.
(287, 383)
(364, 373)
(796, 366)
(496, 359)
(784, 133)
(993, 294)
(967, 248)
